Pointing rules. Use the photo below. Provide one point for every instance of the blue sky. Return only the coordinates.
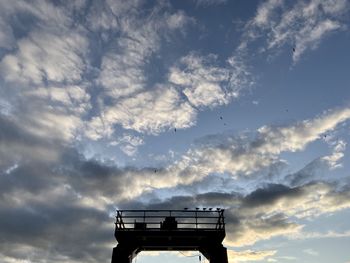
(236, 104)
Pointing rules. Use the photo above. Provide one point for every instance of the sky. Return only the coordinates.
(164, 104)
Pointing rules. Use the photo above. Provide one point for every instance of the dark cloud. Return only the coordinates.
(41, 204)
(312, 171)
(271, 210)
(57, 229)
(270, 194)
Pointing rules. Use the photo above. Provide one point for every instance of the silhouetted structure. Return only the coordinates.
(179, 230)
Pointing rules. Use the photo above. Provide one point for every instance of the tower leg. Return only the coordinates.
(122, 254)
(216, 254)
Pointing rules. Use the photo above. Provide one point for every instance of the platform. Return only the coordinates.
(166, 230)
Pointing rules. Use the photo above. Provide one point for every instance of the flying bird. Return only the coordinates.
(220, 117)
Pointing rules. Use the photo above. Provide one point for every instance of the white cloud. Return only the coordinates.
(318, 235)
(249, 255)
(123, 66)
(334, 159)
(103, 18)
(55, 112)
(49, 62)
(50, 15)
(265, 11)
(69, 98)
(44, 56)
(178, 20)
(128, 143)
(268, 213)
(48, 48)
(241, 156)
(301, 26)
(200, 80)
(120, 76)
(305, 25)
(252, 230)
(240, 75)
(54, 125)
(206, 84)
(148, 112)
(7, 259)
(135, 103)
(296, 137)
(309, 37)
(311, 252)
(44, 67)
(313, 200)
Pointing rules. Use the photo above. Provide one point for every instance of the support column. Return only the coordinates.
(123, 254)
(215, 254)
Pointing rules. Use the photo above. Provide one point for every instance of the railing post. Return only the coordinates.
(196, 220)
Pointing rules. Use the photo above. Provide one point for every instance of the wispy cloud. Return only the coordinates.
(300, 26)
(236, 156)
(200, 81)
(317, 235)
(44, 56)
(54, 60)
(57, 67)
(311, 252)
(249, 255)
(137, 104)
(241, 155)
(128, 143)
(148, 112)
(206, 3)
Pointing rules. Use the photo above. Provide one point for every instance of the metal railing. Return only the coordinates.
(170, 219)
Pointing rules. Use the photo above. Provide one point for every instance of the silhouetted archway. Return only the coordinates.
(164, 230)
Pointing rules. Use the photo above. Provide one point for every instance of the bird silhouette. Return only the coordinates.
(293, 49)
(220, 117)
(204, 208)
(197, 208)
(186, 208)
(210, 208)
(175, 130)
